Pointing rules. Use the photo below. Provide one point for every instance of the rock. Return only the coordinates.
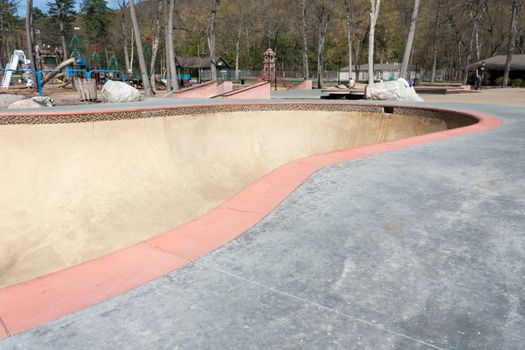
(33, 102)
(24, 104)
(7, 99)
(398, 90)
(116, 91)
(44, 101)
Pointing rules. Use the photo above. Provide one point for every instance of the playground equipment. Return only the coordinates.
(113, 63)
(76, 47)
(269, 65)
(17, 58)
(95, 61)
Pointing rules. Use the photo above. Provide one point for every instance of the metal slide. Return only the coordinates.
(17, 57)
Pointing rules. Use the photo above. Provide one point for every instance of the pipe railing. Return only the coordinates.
(68, 71)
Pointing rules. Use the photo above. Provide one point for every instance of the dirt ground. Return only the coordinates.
(55, 93)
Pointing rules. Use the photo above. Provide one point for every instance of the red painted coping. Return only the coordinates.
(261, 90)
(46, 298)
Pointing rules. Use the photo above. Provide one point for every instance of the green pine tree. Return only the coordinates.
(63, 11)
(96, 17)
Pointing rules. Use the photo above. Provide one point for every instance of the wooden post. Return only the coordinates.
(87, 89)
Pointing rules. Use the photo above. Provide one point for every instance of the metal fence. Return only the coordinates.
(329, 76)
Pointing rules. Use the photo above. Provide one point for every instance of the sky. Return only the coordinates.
(41, 4)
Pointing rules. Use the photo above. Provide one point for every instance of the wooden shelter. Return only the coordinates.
(200, 66)
(495, 66)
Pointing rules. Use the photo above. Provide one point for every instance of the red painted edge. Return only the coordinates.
(245, 89)
(46, 298)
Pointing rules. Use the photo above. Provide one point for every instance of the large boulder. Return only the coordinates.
(44, 101)
(33, 102)
(7, 99)
(116, 91)
(398, 90)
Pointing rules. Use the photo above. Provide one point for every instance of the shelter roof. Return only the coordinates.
(380, 67)
(199, 62)
(498, 62)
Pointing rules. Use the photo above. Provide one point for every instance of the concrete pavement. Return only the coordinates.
(420, 248)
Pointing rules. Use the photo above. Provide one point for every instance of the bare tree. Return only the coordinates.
(155, 44)
(122, 4)
(212, 38)
(512, 41)
(435, 42)
(374, 13)
(349, 33)
(410, 40)
(63, 12)
(323, 18)
(140, 52)
(240, 28)
(166, 48)
(305, 39)
(29, 35)
(475, 15)
(174, 82)
(238, 46)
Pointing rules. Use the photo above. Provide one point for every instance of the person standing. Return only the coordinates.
(480, 75)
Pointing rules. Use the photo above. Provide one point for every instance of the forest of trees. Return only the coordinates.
(307, 35)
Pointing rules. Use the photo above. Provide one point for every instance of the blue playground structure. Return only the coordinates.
(70, 72)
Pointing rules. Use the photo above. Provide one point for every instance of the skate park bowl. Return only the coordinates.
(77, 187)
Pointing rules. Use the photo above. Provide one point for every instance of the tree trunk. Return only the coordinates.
(106, 53)
(238, 47)
(3, 40)
(166, 51)
(155, 45)
(124, 36)
(29, 36)
(132, 52)
(435, 44)
(512, 41)
(321, 36)
(476, 18)
(374, 13)
(70, 61)
(469, 55)
(140, 52)
(306, 69)
(174, 82)
(126, 56)
(360, 44)
(349, 30)
(410, 41)
(478, 43)
(211, 42)
(63, 38)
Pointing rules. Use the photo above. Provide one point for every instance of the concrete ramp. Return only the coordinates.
(74, 189)
(303, 85)
(258, 91)
(225, 87)
(204, 90)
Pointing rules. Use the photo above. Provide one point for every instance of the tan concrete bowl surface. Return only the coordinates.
(74, 188)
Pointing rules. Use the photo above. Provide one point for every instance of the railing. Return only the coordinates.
(68, 71)
(328, 76)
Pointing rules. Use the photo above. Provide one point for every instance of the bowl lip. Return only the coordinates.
(45, 298)
(199, 105)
